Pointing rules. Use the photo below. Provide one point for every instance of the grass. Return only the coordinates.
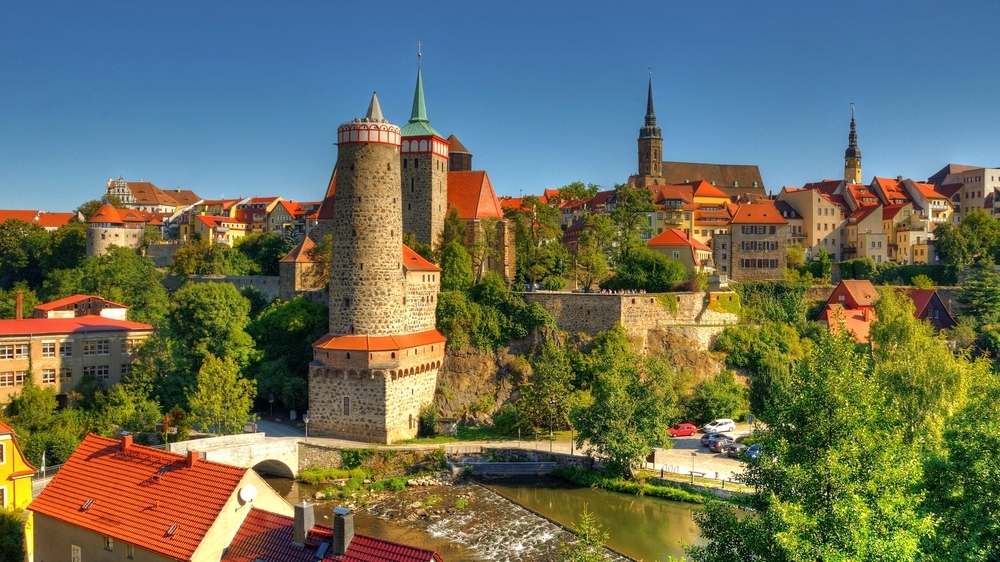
(461, 503)
(594, 479)
(482, 433)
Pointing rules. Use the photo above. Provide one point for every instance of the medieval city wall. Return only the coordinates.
(100, 240)
(269, 286)
(422, 288)
(162, 254)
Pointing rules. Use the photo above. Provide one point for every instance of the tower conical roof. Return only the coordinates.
(419, 126)
(455, 145)
(374, 114)
(852, 140)
(649, 129)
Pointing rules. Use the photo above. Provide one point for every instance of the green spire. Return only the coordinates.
(419, 113)
(419, 126)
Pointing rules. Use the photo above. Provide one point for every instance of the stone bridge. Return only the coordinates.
(276, 456)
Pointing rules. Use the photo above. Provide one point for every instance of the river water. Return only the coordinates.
(491, 529)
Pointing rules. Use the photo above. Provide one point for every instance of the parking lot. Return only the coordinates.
(689, 449)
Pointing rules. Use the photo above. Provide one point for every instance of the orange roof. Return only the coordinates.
(138, 494)
(106, 214)
(757, 213)
(890, 211)
(862, 212)
(145, 193)
(927, 190)
(858, 322)
(675, 237)
(4, 428)
(73, 300)
(415, 262)
(826, 187)
(326, 208)
(513, 203)
(681, 192)
(54, 220)
(26, 216)
(67, 325)
(379, 343)
(472, 194)
(300, 253)
(891, 190)
(704, 189)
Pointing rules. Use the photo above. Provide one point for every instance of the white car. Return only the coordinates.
(720, 425)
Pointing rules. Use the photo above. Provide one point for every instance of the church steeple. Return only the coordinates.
(650, 145)
(852, 156)
(419, 113)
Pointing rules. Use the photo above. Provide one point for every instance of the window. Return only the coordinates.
(347, 406)
(724, 255)
(66, 374)
(104, 371)
(14, 351)
(6, 379)
(129, 346)
(48, 376)
(96, 347)
(48, 349)
(65, 349)
(126, 369)
(3, 453)
(677, 255)
(109, 544)
(19, 378)
(6, 351)
(760, 230)
(3, 496)
(773, 229)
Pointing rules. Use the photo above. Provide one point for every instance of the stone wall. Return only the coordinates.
(425, 195)
(295, 278)
(422, 288)
(268, 285)
(512, 454)
(594, 312)
(318, 455)
(162, 254)
(100, 239)
(740, 251)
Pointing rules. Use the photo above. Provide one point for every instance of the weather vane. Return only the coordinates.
(418, 53)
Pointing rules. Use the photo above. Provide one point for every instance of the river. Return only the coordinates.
(491, 529)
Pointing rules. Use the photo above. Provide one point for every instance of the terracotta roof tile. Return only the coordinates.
(472, 194)
(415, 262)
(379, 343)
(54, 220)
(138, 494)
(673, 237)
(455, 145)
(757, 213)
(73, 300)
(704, 189)
(300, 253)
(25, 216)
(106, 214)
(724, 176)
(67, 325)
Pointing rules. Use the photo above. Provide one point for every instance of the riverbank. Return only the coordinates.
(593, 479)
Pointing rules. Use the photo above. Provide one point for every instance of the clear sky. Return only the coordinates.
(243, 98)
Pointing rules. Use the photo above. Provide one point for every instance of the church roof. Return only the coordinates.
(419, 126)
(472, 194)
(731, 179)
(455, 145)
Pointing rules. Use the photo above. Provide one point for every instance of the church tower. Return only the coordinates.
(650, 147)
(852, 157)
(378, 365)
(424, 163)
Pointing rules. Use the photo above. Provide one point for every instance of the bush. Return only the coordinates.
(646, 270)
(554, 283)
(762, 301)
(509, 419)
(353, 458)
(593, 479)
(428, 421)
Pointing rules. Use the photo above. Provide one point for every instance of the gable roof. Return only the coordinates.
(415, 262)
(672, 237)
(268, 536)
(786, 210)
(53, 220)
(25, 216)
(724, 176)
(67, 325)
(145, 193)
(857, 322)
(66, 301)
(455, 145)
(300, 253)
(757, 213)
(663, 193)
(326, 207)
(704, 189)
(138, 494)
(922, 298)
(471, 192)
(943, 173)
(861, 290)
(890, 211)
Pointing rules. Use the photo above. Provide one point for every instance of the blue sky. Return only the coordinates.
(243, 98)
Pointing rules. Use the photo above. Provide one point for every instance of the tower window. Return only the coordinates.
(347, 303)
(404, 163)
(347, 406)
(348, 355)
(416, 163)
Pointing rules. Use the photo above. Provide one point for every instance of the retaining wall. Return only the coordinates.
(508, 454)
(268, 285)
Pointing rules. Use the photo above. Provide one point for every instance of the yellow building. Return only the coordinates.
(15, 480)
(218, 230)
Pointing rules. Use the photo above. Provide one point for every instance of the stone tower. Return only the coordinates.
(424, 173)
(650, 147)
(375, 370)
(366, 280)
(852, 156)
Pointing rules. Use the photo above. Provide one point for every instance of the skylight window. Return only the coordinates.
(87, 504)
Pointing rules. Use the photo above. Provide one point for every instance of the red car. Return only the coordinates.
(683, 430)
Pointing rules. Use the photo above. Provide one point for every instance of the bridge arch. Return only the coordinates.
(274, 467)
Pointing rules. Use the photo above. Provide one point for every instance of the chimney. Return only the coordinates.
(191, 458)
(305, 518)
(343, 530)
(126, 442)
(19, 306)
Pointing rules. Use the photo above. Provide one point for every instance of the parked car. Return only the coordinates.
(753, 451)
(709, 436)
(720, 443)
(735, 450)
(683, 429)
(720, 425)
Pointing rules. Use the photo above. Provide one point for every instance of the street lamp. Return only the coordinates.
(571, 441)
(693, 455)
(305, 420)
(552, 404)
(271, 400)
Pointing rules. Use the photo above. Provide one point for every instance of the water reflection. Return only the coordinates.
(641, 527)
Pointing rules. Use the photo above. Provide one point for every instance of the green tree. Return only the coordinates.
(633, 403)
(831, 460)
(547, 391)
(265, 250)
(67, 247)
(123, 407)
(199, 257)
(287, 329)
(321, 254)
(222, 400)
(717, 397)
(961, 482)
(646, 269)
(23, 246)
(576, 191)
(590, 539)
(209, 319)
(591, 253)
(484, 249)
(88, 208)
(632, 204)
(538, 250)
(456, 268)
(454, 228)
(426, 251)
(12, 548)
(796, 256)
(120, 276)
(980, 297)
(8, 301)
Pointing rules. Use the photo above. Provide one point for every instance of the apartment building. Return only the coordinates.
(755, 248)
(824, 216)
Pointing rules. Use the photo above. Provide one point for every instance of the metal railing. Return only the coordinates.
(47, 472)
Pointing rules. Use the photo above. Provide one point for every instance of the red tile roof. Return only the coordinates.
(927, 190)
(4, 428)
(891, 191)
(106, 214)
(67, 325)
(268, 536)
(758, 213)
(861, 213)
(300, 253)
(472, 194)
(326, 208)
(858, 322)
(514, 203)
(890, 211)
(73, 300)
(379, 343)
(663, 193)
(138, 494)
(705, 189)
(455, 145)
(25, 216)
(53, 220)
(145, 193)
(675, 237)
(415, 262)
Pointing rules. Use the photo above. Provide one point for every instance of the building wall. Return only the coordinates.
(822, 222)
(117, 355)
(295, 278)
(424, 182)
(722, 253)
(162, 254)
(367, 287)
(422, 288)
(59, 539)
(16, 491)
(593, 312)
(773, 237)
(100, 239)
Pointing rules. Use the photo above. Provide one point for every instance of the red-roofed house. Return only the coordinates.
(118, 227)
(61, 351)
(471, 194)
(81, 305)
(44, 219)
(144, 196)
(678, 245)
(824, 216)
(853, 301)
(755, 248)
(218, 230)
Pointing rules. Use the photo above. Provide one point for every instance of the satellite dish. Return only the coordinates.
(248, 493)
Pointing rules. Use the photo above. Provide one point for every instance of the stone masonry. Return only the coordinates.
(425, 193)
